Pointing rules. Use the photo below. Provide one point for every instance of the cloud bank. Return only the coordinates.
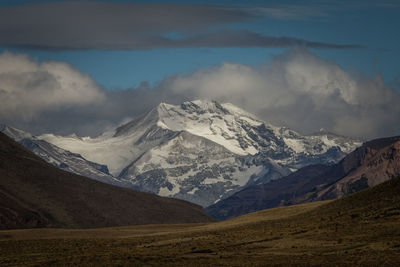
(29, 88)
(296, 89)
(134, 26)
(302, 91)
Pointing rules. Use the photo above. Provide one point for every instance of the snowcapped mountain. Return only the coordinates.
(202, 151)
(61, 158)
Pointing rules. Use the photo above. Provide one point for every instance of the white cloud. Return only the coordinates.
(28, 88)
(296, 89)
(302, 91)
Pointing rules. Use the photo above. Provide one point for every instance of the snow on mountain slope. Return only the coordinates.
(119, 147)
(159, 151)
(14, 133)
(61, 158)
(241, 132)
(193, 168)
(213, 121)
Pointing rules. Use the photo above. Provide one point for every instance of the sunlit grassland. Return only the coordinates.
(363, 229)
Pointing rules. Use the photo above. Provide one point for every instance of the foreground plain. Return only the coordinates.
(362, 229)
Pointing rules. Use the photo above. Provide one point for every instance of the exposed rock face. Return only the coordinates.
(371, 164)
(377, 165)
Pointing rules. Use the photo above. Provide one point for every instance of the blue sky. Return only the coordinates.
(372, 25)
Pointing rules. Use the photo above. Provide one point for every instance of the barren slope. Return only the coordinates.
(34, 193)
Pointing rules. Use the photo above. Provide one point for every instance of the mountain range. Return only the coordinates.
(374, 162)
(34, 193)
(59, 157)
(200, 151)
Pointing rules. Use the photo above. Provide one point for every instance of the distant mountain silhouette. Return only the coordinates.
(34, 193)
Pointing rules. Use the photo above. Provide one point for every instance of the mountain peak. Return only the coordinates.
(223, 124)
(204, 106)
(202, 145)
(14, 133)
(199, 106)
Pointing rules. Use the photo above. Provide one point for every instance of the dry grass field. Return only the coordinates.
(362, 229)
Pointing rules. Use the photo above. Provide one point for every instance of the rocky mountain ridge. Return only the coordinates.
(61, 158)
(202, 151)
(373, 163)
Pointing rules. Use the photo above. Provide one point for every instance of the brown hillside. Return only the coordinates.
(374, 162)
(34, 193)
(377, 166)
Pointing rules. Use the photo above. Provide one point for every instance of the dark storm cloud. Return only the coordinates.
(122, 26)
(245, 38)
